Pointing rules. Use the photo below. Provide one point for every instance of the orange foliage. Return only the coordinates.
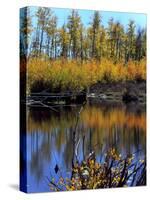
(74, 75)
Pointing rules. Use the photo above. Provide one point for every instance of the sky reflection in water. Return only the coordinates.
(49, 138)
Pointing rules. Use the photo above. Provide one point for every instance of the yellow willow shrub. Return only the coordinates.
(136, 70)
(73, 75)
(113, 170)
(119, 72)
(67, 75)
(141, 70)
(108, 71)
(63, 75)
(36, 71)
(105, 70)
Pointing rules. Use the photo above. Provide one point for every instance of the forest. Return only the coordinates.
(74, 56)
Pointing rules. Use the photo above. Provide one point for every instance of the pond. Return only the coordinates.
(100, 127)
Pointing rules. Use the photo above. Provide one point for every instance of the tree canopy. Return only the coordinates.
(74, 40)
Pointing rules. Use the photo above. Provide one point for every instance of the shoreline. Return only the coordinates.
(119, 92)
(129, 92)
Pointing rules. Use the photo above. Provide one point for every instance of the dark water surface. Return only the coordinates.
(100, 127)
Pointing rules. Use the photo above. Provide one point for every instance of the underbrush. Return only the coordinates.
(72, 75)
(114, 171)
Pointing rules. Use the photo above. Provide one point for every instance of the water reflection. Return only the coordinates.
(50, 139)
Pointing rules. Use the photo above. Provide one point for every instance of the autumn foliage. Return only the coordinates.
(62, 75)
(114, 171)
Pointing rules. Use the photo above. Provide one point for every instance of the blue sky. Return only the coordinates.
(86, 16)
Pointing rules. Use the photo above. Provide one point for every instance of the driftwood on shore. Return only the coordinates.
(46, 98)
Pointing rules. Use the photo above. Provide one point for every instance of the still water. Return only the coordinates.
(100, 127)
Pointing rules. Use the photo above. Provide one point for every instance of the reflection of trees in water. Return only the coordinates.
(93, 116)
(68, 150)
(36, 165)
(98, 128)
(40, 153)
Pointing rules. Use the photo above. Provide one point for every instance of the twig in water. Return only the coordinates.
(49, 107)
(74, 134)
(52, 183)
(76, 149)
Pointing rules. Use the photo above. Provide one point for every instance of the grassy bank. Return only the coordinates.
(62, 75)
